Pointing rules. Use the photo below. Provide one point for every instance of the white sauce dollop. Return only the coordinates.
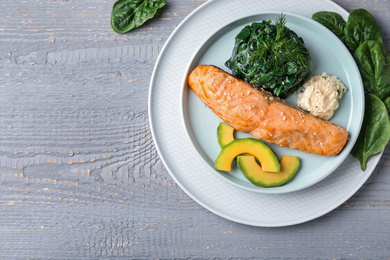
(320, 95)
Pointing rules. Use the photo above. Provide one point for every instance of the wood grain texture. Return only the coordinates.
(80, 177)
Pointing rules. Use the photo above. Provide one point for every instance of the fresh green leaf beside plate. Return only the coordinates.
(127, 15)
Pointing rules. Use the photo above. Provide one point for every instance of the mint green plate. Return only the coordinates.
(328, 55)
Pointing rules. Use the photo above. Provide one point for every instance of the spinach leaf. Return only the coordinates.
(375, 132)
(387, 104)
(127, 15)
(331, 20)
(373, 61)
(363, 39)
(270, 56)
(361, 26)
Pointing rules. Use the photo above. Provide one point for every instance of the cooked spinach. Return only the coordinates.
(331, 20)
(127, 15)
(361, 27)
(270, 56)
(375, 131)
(373, 60)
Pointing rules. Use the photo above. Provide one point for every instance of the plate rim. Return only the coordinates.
(373, 160)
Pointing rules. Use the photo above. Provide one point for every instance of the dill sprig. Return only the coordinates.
(284, 49)
(280, 25)
(262, 50)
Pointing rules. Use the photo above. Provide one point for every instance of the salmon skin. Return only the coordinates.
(255, 111)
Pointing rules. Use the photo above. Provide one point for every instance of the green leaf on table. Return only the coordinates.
(331, 20)
(360, 27)
(375, 132)
(127, 15)
(373, 60)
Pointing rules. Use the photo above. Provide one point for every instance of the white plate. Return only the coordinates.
(188, 169)
(328, 54)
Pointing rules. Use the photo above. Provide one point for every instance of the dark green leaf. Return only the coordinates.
(387, 104)
(127, 15)
(363, 38)
(361, 27)
(375, 132)
(373, 61)
(332, 21)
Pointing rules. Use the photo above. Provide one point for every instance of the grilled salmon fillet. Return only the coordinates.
(255, 111)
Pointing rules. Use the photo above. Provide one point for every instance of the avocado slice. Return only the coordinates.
(252, 146)
(224, 134)
(289, 165)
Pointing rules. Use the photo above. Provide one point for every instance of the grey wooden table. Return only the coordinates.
(79, 173)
